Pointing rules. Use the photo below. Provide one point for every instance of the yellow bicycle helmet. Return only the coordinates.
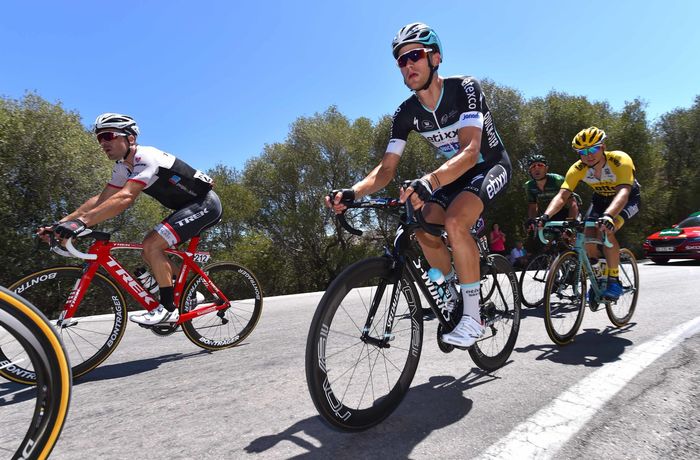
(588, 138)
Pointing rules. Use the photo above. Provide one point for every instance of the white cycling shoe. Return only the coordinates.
(156, 316)
(466, 333)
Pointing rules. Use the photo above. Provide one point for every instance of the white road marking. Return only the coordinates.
(543, 434)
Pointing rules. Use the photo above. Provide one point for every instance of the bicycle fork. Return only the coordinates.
(387, 336)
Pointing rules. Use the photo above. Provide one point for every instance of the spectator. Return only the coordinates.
(518, 255)
(497, 240)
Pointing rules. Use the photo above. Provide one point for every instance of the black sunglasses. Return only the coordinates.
(414, 55)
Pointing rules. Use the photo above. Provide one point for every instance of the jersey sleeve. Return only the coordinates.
(625, 168)
(573, 176)
(400, 128)
(120, 174)
(472, 104)
(145, 168)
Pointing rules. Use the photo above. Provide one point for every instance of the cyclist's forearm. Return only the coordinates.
(375, 181)
(557, 202)
(619, 202)
(112, 207)
(82, 209)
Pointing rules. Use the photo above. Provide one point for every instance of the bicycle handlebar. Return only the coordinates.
(70, 250)
(575, 224)
(387, 203)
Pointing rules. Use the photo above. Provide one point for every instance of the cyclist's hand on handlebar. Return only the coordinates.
(606, 223)
(69, 228)
(338, 199)
(541, 220)
(45, 231)
(419, 191)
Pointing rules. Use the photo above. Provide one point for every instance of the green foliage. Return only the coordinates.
(275, 221)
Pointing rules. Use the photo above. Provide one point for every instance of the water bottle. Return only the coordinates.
(147, 280)
(435, 275)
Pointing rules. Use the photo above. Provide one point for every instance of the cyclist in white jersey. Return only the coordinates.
(453, 115)
(171, 181)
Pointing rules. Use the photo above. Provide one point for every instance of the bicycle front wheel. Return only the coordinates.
(620, 312)
(91, 335)
(32, 418)
(564, 298)
(532, 280)
(500, 311)
(228, 327)
(358, 374)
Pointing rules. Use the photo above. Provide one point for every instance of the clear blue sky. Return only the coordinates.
(214, 81)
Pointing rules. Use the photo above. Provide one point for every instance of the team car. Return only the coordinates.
(682, 241)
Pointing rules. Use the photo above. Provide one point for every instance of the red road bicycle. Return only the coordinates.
(219, 304)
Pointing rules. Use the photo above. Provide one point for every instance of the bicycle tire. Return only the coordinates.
(336, 355)
(620, 312)
(532, 281)
(92, 334)
(225, 328)
(564, 303)
(33, 428)
(500, 311)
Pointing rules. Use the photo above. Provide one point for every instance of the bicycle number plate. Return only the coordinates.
(665, 249)
(201, 257)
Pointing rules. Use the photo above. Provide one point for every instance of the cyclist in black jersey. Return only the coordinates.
(171, 181)
(542, 187)
(453, 115)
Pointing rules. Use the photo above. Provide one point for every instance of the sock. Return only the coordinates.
(470, 294)
(613, 275)
(166, 298)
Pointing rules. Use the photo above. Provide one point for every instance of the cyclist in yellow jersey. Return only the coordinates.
(616, 196)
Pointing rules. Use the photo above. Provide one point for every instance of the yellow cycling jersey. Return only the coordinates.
(618, 170)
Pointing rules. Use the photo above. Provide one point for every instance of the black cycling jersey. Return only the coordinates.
(171, 181)
(462, 103)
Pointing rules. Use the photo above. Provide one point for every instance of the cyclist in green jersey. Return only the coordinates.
(542, 188)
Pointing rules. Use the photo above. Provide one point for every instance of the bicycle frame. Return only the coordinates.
(99, 255)
(580, 249)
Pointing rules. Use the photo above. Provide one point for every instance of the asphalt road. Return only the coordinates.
(161, 398)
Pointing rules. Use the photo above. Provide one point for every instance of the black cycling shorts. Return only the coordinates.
(485, 180)
(600, 203)
(189, 221)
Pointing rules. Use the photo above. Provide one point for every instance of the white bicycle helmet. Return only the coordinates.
(116, 121)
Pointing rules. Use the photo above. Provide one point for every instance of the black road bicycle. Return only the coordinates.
(32, 417)
(365, 339)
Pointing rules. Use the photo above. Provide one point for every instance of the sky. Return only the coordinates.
(213, 82)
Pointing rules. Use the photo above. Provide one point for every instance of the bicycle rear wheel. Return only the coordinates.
(91, 335)
(620, 312)
(356, 381)
(228, 327)
(500, 311)
(32, 418)
(532, 280)
(564, 298)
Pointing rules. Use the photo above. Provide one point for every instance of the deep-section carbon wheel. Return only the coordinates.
(228, 327)
(91, 335)
(564, 298)
(357, 376)
(500, 311)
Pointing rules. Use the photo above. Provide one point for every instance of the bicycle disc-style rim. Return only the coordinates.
(27, 325)
(620, 312)
(228, 327)
(501, 315)
(96, 329)
(340, 366)
(565, 297)
(532, 281)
